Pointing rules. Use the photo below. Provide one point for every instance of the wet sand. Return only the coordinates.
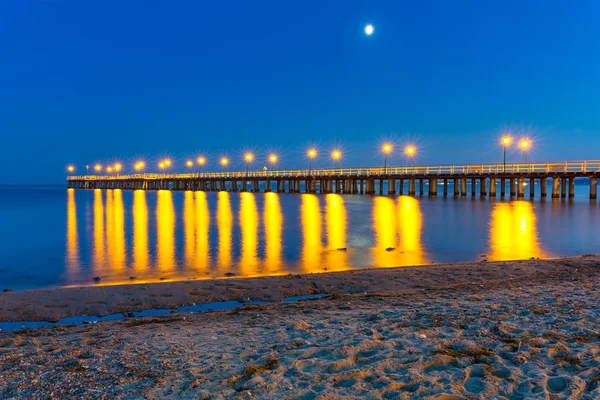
(527, 329)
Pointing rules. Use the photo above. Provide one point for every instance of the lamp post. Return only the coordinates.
(248, 158)
(336, 155)
(312, 153)
(70, 169)
(117, 168)
(524, 144)
(200, 161)
(87, 168)
(387, 148)
(98, 167)
(273, 160)
(505, 142)
(224, 162)
(410, 152)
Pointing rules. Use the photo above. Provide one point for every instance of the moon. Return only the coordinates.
(369, 29)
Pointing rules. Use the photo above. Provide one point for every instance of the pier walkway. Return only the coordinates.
(484, 179)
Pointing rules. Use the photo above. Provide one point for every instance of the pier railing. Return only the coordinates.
(469, 169)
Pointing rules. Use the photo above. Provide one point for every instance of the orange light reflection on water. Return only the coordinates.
(273, 220)
(513, 232)
(98, 257)
(73, 264)
(386, 236)
(225, 223)
(311, 233)
(410, 222)
(165, 223)
(140, 231)
(202, 221)
(249, 227)
(335, 217)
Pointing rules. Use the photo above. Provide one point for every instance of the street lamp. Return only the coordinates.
(189, 163)
(273, 160)
(98, 167)
(387, 148)
(139, 166)
(505, 142)
(312, 153)
(224, 162)
(201, 161)
(524, 144)
(117, 168)
(410, 152)
(70, 169)
(167, 162)
(109, 170)
(336, 155)
(248, 158)
(87, 168)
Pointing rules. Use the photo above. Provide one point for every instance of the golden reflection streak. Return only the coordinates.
(513, 232)
(110, 224)
(140, 231)
(273, 219)
(165, 222)
(72, 236)
(224, 222)
(118, 243)
(202, 226)
(335, 217)
(249, 227)
(386, 235)
(98, 230)
(410, 222)
(311, 232)
(189, 227)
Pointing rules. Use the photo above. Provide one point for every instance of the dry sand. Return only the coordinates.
(517, 330)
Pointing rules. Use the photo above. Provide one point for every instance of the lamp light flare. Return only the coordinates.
(70, 168)
(410, 150)
(161, 165)
(224, 161)
(108, 169)
(117, 167)
(201, 160)
(506, 140)
(336, 154)
(273, 158)
(369, 29)
(524, 143)
(312, 153)
(189, 163)
(249, 156)
(98, 167)
(387, 148)
(167, 162)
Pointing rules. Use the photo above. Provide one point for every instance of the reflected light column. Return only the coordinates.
(311, 232)
(202, 231)
(335, 217)
(73, 264)
(98, 231)
(386, 236)
(165, 222)
(513, 232)
(273, 220)
(410, 222)
(224, 222)
(140, 231)
(249, 227)
(189, 228)
(118, 244)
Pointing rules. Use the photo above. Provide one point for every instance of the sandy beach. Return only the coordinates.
(526, 329)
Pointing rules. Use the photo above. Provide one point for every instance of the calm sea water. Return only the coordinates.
(51, 236)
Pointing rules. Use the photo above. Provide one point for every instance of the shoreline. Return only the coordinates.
(54, 304)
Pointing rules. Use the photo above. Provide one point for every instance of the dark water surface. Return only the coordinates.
(51, 236)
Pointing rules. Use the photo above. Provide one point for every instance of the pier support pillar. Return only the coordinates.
(456, 187)
(572, 187)
(520, 187)
(391, 186)
(502, 187)
(543, 187)
(593, 187)
(433, 186)
(473, 187)
(401, 186)
(445, 187)
(492, 187)
(421, 187)
(411, 187)
(483, 187)
(532, 187)
(513, 188)
(381, 186)
(555, 187)
(463, 187)
(563, 187)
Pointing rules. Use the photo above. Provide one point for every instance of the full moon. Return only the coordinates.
(369, 29)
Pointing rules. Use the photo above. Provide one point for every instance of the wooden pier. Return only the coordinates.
(485, 180)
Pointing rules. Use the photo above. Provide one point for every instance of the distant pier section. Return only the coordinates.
(485, 180)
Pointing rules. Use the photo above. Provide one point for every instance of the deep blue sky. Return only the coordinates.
(88, 81)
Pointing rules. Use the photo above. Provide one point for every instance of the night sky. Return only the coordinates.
(104, 81)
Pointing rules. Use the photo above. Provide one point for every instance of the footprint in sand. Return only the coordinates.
(557, 384)
(474, 381)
